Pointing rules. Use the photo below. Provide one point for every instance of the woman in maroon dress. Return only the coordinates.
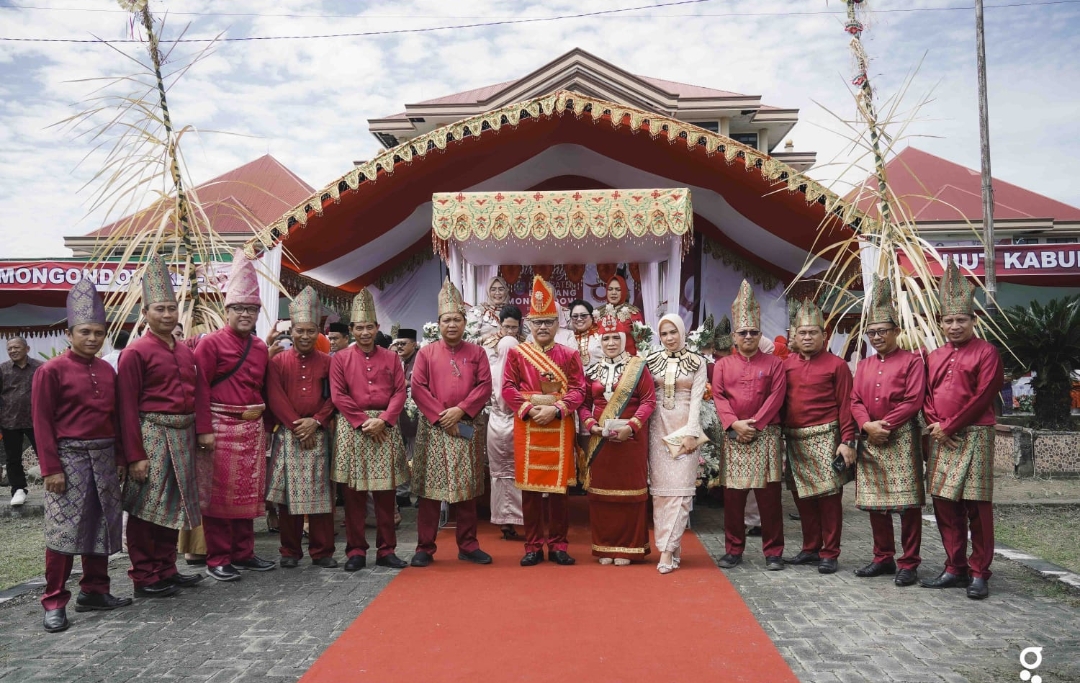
(619, 399)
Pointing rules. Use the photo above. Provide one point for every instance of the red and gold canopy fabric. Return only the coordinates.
(576, 226)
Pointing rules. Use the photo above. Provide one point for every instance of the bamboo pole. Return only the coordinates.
(990, 265)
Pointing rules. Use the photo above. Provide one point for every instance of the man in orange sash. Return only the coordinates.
(543, 383)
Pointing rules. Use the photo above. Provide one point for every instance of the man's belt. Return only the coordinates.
(246, 413)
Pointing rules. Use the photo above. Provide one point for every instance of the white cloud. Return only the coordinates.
(307, 101)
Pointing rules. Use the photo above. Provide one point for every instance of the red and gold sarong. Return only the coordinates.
(232, 479)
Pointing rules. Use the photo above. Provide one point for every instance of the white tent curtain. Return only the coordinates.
(269, 270)
(650, 292)
(455, 266)
(720, 286)
(412, 299)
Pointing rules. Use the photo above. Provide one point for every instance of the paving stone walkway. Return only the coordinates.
(270, 627)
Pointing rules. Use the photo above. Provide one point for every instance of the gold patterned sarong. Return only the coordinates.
(363, 464)
(810, 452)
(447, 468)
(889, 478)
(965, 472)
(300, 477)
(170, 495)
(752, 465)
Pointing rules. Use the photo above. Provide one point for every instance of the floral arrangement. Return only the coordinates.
(410, 408)
(430, 333)
(472, 325)
(693, 339)
(643, 336)
(710, 452)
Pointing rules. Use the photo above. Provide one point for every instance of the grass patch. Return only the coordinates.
(23, 556)
(1051, 532)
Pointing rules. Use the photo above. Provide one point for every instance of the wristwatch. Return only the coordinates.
(853, 444)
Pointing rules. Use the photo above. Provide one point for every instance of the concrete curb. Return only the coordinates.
(1047, 570)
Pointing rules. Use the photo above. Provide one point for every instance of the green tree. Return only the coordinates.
(1044, 339)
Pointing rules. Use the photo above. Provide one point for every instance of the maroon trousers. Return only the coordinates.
(550, 515)
(881, 525)
(95, 577)
(228, 540)
(152, 551)
(772, 519)
(822, 521)
(320, 534)
(356, 516)
(427, 524)
(954, 519)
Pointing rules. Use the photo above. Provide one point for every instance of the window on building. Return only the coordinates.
(1062, 240)
(748, 139)
(1025, 240)
(711, 126)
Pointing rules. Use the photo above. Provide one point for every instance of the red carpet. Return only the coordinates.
(454, 621)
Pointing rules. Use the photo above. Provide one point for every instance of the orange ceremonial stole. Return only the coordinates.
(544, 455)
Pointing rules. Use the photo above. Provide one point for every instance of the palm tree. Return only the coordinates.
(1044, 339)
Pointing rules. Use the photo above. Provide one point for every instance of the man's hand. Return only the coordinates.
(450, 417)
(745, 431)
(305, 428)
(56, 483)
(375, 428)
(878, 432)
(848, 453)
(139, 471)
(622, 434)
(938, 434)
(206, 442)
(544, 414)
(308, 443)
(452, 430)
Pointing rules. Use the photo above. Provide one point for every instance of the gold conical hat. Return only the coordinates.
(156, 284)
(450, 300)
(956, 295)
(745, 311)
(882, 308)
(305, 308)
(808, 315)
(363, 308)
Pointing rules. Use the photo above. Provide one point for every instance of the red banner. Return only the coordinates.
(39, 276)
(1031, 264)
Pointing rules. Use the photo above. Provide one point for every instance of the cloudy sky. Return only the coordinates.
(307, 101)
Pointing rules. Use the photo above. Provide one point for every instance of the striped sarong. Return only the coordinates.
(300, 477)
(752, 465)
(363, 464)
(445, 467)
(232, 479)
(170, 496)
(86, 518)
(889, 478)
(966, 472)
(810, 452)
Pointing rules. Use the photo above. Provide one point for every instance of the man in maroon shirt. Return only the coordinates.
(163, 402)
(818, 428)
(74, 416)
(298, 393)
(367, 383)
(234, 361)
(963, 378)
(748, 389)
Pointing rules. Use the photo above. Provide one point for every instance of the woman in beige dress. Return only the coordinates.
(680, 378)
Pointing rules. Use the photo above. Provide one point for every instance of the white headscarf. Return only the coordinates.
(676, 320)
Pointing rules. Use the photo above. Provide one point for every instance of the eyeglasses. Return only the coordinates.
(879, 333)
(748, 333)
(249, 310)
(543, 323)
(581, 316)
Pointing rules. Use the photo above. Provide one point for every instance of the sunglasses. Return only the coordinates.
(748, 333)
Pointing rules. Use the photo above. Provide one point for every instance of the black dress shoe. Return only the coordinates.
(289, 562)
(906, 577)
(728, 561)
(161, 589)
(201, 562)
(774, 563)
(561, 557)
(89, 602)
(56, 620)
(225, 572)
(255, 564)
(804, 557)
(947, 580)
(184, 580)
(753, 531)
(876, 569)
(475, 556)
(355, 563)
(978, 590)
(532, 558)
(795, 516)
(827, 565)
(392, 561)
(421, 559)
(325, 563)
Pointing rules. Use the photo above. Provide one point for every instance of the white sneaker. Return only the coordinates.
(19, 498)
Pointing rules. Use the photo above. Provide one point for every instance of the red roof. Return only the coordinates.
(935, 189)
(258, 192)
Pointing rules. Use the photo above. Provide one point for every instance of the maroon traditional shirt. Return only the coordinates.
(519, 375)
(152, 378)
(294, 386)
(748, 388)
(962, 381)
(447, 376)
(367, 380)
(818, 392)
(218, 353)
(73, 398)
(890, 388)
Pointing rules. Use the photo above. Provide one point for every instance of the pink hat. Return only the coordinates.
(243, 286)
